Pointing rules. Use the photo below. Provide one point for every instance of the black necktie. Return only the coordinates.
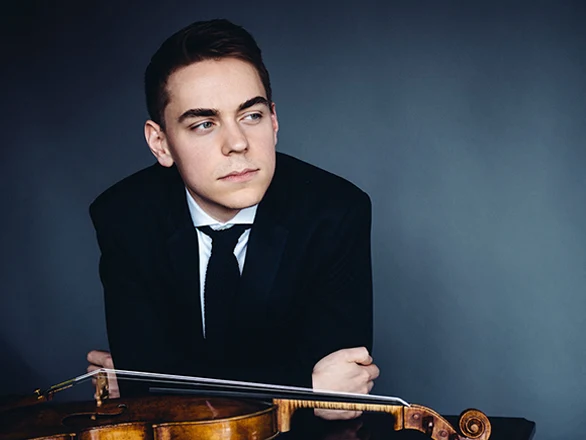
(221, 281)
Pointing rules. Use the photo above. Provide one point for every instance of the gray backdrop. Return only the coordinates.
(464, 121)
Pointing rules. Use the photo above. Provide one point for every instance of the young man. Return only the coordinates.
(289, 300)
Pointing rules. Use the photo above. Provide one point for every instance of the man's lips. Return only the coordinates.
(240, 176)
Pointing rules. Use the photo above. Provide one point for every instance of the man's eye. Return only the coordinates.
(206, 125)
(253, 116)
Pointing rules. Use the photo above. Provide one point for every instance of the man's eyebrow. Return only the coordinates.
(254, 101)
(198, 113)
(211, 112)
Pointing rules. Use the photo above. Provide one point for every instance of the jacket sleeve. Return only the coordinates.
(335, 311)
(134, 303)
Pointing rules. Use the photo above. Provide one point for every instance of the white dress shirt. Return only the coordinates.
(201, 218)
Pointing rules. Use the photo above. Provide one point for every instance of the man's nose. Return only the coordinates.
(234, 139)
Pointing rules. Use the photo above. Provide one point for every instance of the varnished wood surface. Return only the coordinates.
(141, 418)
(18, 423)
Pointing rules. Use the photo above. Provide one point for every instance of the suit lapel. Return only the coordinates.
(263, 257)
(266, 245)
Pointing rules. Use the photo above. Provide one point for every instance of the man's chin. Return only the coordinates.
(243, 203)
(244, 198)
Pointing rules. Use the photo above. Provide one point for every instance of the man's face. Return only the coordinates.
(221, 134)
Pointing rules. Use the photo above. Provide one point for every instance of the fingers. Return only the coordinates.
(91, 368)
(372, 370)
(349, 370)
(358, 355)
(369, 386)
(114, 389)
(101, 358)
(369, 374)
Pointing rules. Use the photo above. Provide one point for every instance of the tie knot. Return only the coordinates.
(225, 238)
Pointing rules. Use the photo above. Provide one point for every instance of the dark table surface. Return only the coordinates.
(373, 426)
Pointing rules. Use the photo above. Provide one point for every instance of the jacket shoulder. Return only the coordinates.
(136, 194)
(308, 181)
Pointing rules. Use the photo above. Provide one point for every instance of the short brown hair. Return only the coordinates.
(202, 40)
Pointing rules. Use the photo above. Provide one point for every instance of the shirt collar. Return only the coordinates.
(200, 218)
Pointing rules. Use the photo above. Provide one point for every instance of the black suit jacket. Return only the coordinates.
(306, 284)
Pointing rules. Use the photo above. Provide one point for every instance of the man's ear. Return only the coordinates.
(274, 121)
(158, 144)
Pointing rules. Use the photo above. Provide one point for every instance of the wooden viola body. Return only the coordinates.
(151, 417)
(191, 417)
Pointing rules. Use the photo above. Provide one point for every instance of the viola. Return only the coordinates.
(202, 408)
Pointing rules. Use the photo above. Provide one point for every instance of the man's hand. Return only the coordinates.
(349, 370)
(102, 359)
